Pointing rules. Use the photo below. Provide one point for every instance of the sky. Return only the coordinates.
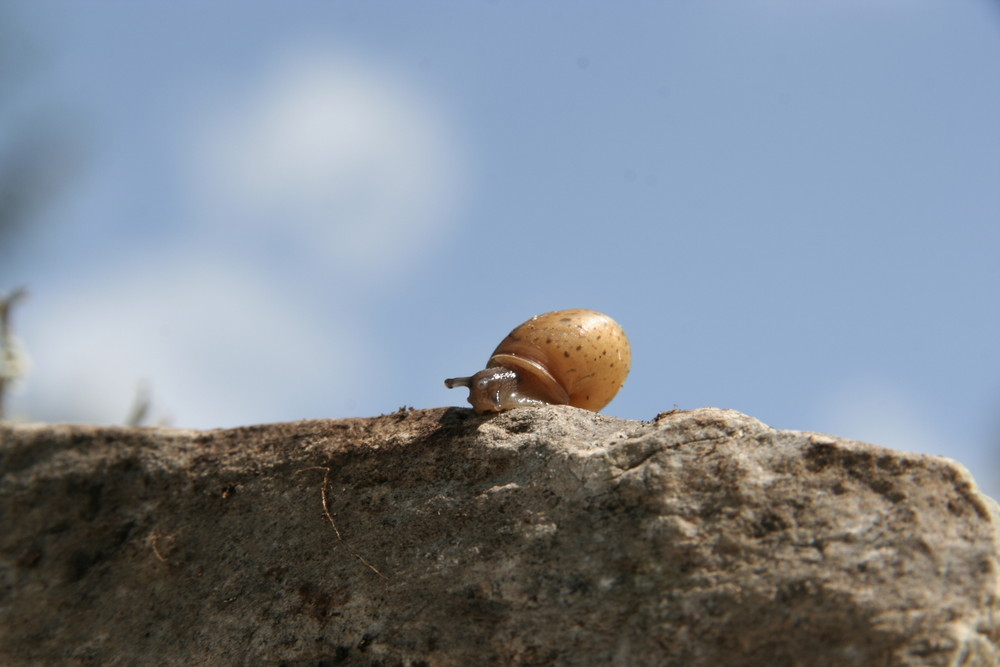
(276, 211)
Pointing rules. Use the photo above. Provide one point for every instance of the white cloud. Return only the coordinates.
(344, 173)
(345, 162)
(217, 346)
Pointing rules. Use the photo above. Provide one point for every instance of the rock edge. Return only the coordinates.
(538, 536)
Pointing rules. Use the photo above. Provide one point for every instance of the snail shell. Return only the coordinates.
(575, 357)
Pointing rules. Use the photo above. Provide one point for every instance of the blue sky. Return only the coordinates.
(323, 209)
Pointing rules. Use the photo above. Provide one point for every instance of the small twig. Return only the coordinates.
(140, 407)
(326, 511)
(326, 506)
(369, 565)
(8, 351)
(156, 549)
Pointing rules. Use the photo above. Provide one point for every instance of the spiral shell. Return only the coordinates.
(575, 357)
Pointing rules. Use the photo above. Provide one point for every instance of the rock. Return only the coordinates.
(538, 536)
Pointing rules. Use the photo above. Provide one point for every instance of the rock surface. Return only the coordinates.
(538, 536)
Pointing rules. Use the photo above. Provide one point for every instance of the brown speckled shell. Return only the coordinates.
(585, 352)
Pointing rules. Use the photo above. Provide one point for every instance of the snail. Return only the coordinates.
(575, 357)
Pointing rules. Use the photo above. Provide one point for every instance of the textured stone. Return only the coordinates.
(538, 536)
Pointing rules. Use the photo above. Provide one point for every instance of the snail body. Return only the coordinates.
(575, 357)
